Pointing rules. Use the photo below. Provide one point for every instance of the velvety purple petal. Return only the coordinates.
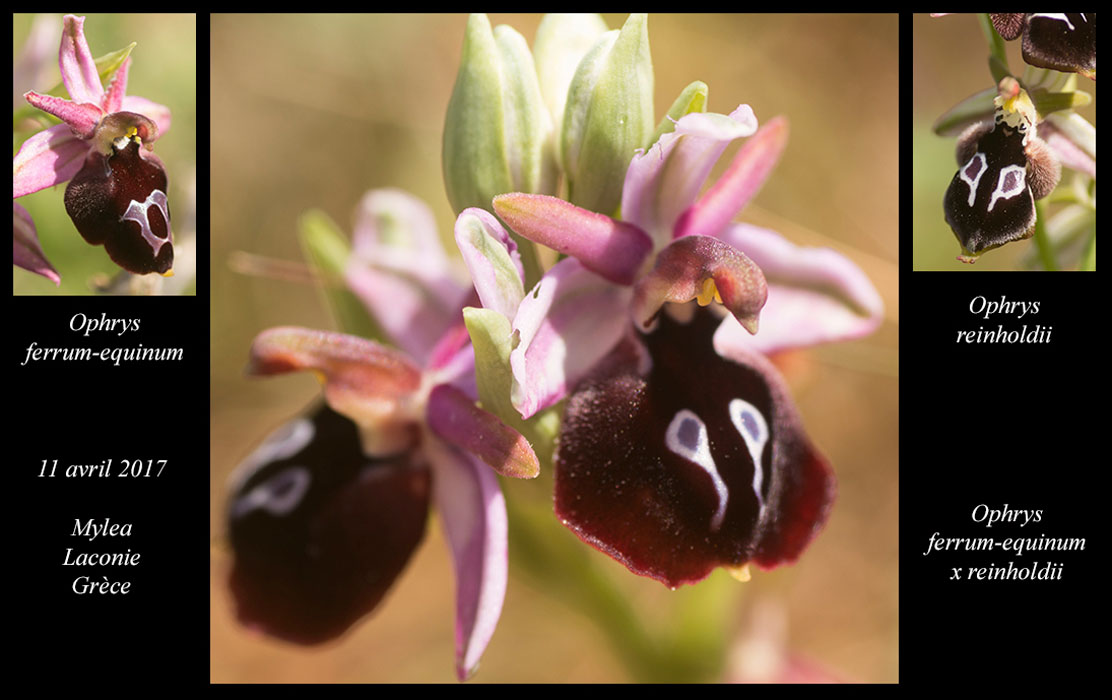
(81, 117)
(663, 182)
(26, 250)
(564, 325)
(159, 114)
(319, 530)
(612, 249)
(473, 513)
(741, 181)
(490, 253)
(815, 295)
(706, 269)
(367, 382)
(79, 70)
(696, 462)
(454, 417)
(48, 158)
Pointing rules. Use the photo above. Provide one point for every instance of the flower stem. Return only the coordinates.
(690, 649)
(995, 41)
(1089, 258)
(1042, 240)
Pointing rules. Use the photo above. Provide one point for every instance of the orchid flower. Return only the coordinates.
(117, 191)
(680, 448)
(327, 511)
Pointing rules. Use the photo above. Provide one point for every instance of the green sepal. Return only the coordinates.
(692, 99)
(1048, 102)
(970, 110)
(327, 251)
(492, 339)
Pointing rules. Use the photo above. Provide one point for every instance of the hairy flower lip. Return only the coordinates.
(689, 251)
(650, 505)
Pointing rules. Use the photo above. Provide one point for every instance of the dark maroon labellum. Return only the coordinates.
(1057, 40)
(120, 201)
(696, 462)
(319, 530)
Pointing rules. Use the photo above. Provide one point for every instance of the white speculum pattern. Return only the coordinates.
(753, 427)
(278, 495)
(1059, 16)
(687, 437)
(1019, 184)
(283, 443)
(980, 171)
(138, 212)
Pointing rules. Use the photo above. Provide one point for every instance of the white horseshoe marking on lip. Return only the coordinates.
(137, 212)
(701, 456)
(755, 437)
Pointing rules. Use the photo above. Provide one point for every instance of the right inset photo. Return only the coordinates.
(1004, 123)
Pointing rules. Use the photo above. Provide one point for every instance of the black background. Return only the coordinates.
(989, 424)
(1000, 424)
(85, 413)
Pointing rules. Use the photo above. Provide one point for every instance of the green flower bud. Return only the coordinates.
(692, 99)
(608, 116)
(496, 134)
(562, 42)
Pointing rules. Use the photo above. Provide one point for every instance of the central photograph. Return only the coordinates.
(554, 348)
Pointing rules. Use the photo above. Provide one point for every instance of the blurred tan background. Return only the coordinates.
(312, 111)
(950, 63)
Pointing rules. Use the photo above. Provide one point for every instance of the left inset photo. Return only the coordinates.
(104, 154)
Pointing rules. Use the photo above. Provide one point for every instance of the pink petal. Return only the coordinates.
(48, 158)
(473, 513)
(613, 249)
(367, 382)
(741, 181)
(399, 270)
(26, 250)
(113, 97)
(701, 267)
(815, 295)
(81, 117)
(661, 183)
(393, 223)
(79, 71)
(567, 323)
(454, 416)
